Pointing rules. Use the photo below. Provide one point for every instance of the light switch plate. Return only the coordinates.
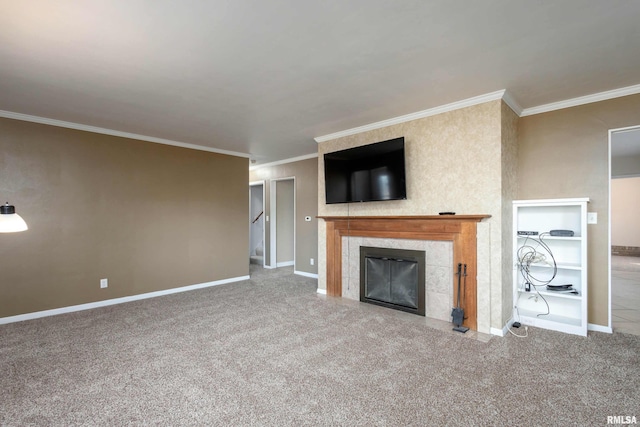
(592, 217)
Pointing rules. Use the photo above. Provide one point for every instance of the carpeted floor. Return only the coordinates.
(272, 352)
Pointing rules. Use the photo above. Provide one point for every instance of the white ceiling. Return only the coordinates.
(263, 78)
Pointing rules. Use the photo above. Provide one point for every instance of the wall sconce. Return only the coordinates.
(10, 221)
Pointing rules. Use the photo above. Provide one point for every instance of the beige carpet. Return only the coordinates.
(271, 352)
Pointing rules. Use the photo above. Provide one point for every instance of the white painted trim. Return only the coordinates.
(285, 264)
(321, 291)
(305, 274)
(414, 116)
(599, 328)
(587, 99)
(609, 328)
(500, 332)
(114, 301)
(512, 103)
(285, 161)
(104, 131)
(609, 290)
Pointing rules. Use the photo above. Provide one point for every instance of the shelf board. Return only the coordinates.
(538, 320)
(560, 266)
(552, 294)
(547, 237)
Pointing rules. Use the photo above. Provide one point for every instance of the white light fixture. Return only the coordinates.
(10, 221)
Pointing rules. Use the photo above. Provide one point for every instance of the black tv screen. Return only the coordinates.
(368, 173)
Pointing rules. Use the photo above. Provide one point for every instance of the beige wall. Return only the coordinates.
(564, 153)
(285, 219)
(146, 216)
(625, 207)
(306, 174)
(454, 163)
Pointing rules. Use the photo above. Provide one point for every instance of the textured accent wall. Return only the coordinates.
(509, 192)
(564, 153)
(148, 217)
(454, 163)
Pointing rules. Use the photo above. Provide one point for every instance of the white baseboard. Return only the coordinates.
(285, 264)
(322, 291)
(599, 328)
(114, 301)
(305, 274)
(500, 332)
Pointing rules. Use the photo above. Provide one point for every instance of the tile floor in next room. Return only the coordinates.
(625, 294)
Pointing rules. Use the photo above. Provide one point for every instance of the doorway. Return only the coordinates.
(256, 225)
(624, 230)
(283, 227)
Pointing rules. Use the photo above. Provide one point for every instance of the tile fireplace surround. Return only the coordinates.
(447, 241)
(438, 270)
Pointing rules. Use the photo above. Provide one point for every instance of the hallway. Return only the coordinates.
(625, 294)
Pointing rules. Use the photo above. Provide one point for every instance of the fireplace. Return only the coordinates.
(393, 278)
(460, 230)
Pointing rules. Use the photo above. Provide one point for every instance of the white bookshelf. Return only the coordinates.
(542, 260)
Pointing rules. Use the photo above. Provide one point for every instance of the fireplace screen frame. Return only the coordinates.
(401, 255)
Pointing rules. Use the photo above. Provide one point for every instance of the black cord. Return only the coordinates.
(528, 255)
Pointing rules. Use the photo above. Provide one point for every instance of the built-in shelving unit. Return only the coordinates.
(543, 263)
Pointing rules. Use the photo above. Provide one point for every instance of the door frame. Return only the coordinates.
(274, 216)
(263, 184)
(611, 133)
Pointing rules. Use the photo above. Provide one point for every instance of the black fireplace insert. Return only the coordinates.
(393, 278)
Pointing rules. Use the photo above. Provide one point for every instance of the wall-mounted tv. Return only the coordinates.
(365, 174)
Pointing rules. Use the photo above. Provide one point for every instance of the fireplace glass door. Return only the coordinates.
(393, 278)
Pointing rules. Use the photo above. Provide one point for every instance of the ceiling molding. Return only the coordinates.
(104, 131)
(587, 99)
(414, 116)
(282, 162)
(512, 103)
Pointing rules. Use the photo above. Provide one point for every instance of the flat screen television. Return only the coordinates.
(368, 173)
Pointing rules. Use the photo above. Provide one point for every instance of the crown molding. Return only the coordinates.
(512, 103)
(587, 99)
(104, 131)
(414, 116)
(282, 162)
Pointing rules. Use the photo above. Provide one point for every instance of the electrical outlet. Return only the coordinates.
(312, 262)
(104, 283)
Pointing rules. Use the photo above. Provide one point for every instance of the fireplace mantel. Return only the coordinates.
(460, 229)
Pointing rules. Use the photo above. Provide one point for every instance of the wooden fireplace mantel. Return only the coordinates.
(460, 229)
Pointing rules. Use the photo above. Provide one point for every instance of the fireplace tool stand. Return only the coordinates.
(458, 312)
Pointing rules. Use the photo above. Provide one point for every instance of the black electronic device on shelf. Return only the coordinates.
(561, 233)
